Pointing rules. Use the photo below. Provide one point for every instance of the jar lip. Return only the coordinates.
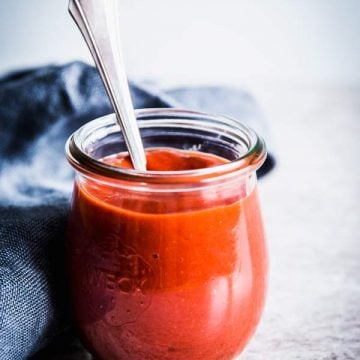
(248, 162)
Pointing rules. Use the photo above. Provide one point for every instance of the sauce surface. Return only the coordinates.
(167, 275)
(166, 159)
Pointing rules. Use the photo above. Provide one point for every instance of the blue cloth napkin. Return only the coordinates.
(39, 109)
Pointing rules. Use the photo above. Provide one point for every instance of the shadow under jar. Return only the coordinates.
(167, 265)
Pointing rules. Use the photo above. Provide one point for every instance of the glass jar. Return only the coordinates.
(167, 265)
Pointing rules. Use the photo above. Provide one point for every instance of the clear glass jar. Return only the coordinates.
(167, 265)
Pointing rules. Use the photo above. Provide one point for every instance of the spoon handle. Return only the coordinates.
(98, 23)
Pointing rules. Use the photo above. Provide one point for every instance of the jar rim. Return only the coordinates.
(249, 162)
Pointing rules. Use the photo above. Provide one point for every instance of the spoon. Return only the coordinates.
(98, 22)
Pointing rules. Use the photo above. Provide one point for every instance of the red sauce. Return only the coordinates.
(166, 275)
(166, 159)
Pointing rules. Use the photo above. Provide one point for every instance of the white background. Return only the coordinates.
(243, 42)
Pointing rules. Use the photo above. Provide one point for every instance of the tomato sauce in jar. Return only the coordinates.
(167, 272)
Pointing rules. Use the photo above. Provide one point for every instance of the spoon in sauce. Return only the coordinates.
(98, 22)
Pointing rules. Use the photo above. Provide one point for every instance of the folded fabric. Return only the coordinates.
(39, 109)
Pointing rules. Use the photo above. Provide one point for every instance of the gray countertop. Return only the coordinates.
(311, 211)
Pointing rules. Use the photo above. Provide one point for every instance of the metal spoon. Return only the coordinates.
(98, 23)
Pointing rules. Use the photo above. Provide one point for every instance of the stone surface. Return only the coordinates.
(311, 211)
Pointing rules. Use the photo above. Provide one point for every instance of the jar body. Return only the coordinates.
(166, 272)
